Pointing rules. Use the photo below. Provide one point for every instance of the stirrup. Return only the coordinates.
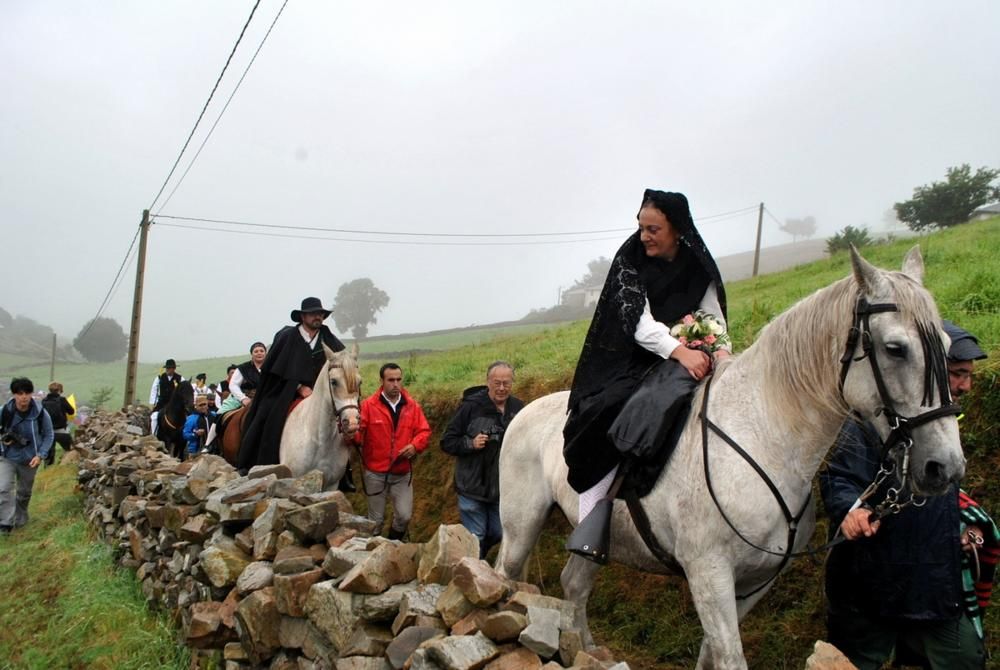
(592, 536)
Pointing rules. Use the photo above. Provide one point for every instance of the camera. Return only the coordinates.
(494, 435)
(12, 439)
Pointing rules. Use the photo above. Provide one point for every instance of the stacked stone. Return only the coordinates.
(270, 571)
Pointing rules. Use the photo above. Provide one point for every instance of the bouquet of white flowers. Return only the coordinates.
(701, 330)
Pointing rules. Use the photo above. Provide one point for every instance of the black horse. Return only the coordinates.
(170, 426)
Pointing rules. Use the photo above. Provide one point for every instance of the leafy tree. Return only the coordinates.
(948, 203)
(597, 272)
(355, 306)
(805, 227)
(102, 342)
(843, 240)
(6, 320)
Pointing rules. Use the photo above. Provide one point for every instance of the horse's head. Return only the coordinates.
(895, 374)
(344, 378)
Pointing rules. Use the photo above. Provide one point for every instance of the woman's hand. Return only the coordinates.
(721, 354)
(695, 361)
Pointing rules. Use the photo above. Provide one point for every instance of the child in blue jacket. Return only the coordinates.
(197, 426)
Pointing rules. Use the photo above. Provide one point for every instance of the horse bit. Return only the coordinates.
(900, 437)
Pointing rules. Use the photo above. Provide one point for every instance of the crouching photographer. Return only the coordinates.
(26, 437)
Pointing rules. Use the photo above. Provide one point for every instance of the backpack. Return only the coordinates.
(54, 406)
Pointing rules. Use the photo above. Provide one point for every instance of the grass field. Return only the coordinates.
(648, 620)
(64, 603)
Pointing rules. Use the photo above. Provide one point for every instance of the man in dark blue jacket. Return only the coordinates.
(897, 584)
(474, 437)
(26, 437)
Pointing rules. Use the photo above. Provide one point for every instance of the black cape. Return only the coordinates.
(289, 363)
(612, 364)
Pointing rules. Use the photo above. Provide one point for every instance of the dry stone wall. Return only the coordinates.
(271, 571)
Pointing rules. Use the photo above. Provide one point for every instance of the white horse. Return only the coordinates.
(318, 431)
(783, 402)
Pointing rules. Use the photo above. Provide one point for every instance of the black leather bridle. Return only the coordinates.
(900, 433)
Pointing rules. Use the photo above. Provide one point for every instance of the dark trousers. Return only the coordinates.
(936, 645)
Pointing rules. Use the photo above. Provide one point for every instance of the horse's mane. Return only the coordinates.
(349, 363)
(799, 350)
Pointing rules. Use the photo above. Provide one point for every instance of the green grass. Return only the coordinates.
(64, 604)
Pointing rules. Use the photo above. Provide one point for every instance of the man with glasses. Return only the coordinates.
(908, 582)
(474, 437)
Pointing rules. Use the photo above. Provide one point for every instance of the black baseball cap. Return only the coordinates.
(964, 345)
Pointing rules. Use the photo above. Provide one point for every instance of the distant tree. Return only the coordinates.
(947, 203)
(31, 330)
(844, 239)
(805, 227)
(102, 342)
(355, 306)
(6, 320)
(597, 272)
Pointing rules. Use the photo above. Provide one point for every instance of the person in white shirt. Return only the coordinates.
(163, 388)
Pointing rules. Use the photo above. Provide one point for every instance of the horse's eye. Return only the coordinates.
(895, 350)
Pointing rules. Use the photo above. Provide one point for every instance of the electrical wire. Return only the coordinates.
(114, 285)
(205, 107)
(349, 231)
(224, 107)
(406, 242)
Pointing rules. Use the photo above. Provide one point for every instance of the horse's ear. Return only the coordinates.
(913, 265)
(330, 355)
(354, 351)
(866, 274)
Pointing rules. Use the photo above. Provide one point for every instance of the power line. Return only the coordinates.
(114, 284)
(224, 107)
(771, 214)
(350, 231)
(406, 242)
(205, 107)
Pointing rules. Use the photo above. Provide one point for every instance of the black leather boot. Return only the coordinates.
(396, 534)
(347, 481)
(591, 538)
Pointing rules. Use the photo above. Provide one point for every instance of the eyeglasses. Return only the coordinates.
(501, 384)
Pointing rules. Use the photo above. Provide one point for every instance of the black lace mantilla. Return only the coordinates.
(674, 288)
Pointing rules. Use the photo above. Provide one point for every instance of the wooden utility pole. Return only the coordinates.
(52, 366)
(133, 338)
(756, 249)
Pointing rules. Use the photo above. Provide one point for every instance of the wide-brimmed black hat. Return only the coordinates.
(171, 363)
(964, 345)
(309, 305)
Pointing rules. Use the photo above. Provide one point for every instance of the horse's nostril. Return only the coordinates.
(935, 474)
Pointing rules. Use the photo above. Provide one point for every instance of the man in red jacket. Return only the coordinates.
(393, 431)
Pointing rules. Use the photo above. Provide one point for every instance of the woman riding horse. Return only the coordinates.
(631, 367)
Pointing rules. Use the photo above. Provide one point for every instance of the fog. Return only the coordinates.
(449, 118)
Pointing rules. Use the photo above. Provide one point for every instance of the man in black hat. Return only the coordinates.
(293, 362)
(162, 390)
(907, 583)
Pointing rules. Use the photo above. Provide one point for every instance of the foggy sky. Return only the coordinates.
(451, 117)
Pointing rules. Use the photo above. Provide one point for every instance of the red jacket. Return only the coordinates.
(379, 443)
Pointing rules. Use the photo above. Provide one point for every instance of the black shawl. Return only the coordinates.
(611, 363)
